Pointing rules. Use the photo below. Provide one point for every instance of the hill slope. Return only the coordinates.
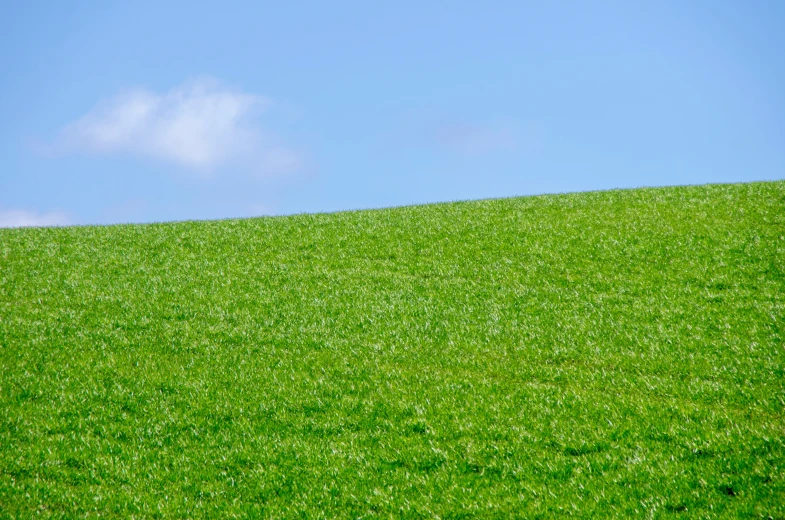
(601, 354)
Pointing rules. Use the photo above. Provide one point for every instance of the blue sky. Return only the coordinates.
(149, 111)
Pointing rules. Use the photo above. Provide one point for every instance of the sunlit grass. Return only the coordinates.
(599, 354)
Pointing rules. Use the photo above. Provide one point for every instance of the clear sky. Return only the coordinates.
(148, 110)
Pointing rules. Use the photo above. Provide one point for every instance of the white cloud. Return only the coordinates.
(200, 126)
(474, 139)
(20, 218)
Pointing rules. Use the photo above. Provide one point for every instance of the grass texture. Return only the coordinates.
(608, 354)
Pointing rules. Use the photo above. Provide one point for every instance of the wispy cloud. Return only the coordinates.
(199, 126)
(20, 218)
(455, 136)
(478, 139)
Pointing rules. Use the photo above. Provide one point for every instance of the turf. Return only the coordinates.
(607, 354)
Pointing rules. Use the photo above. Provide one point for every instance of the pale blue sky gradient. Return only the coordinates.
(323, 106)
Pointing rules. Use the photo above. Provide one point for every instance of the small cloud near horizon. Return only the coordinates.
(467, 138)
(199, 126)
(20, 218)
(460, 137)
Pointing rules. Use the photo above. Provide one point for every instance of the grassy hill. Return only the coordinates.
(603, 354)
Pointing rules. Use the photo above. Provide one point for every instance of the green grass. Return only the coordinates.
(609, 354)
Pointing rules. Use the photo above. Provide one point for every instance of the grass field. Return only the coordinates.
(609, 354)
